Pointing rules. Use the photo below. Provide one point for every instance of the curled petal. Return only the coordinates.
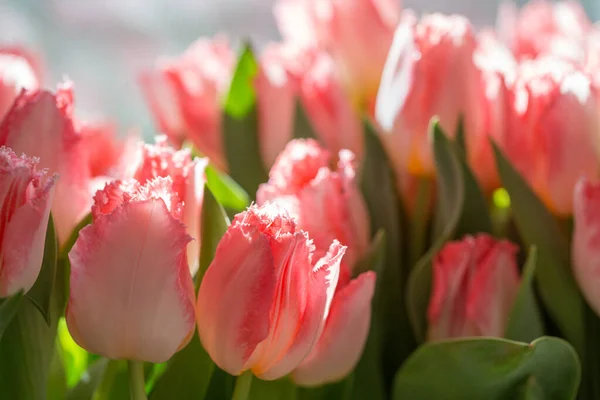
(341, 344)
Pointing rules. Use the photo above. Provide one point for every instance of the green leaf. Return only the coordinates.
(240, 126)
(68, 245)
(221, 386)
(90, 381)
(461, 209)
(459, 138)
(8, 309)
(590, 385)
(303, 128)
(374, 258)
(280, 389)
(241, 97)
(56, 387)
(41, 291)
(378, 186)
(75, 358)
(525, 323)
(339, 390)
(189, 371)
(226, 190)
(491, 369)
(539, 228)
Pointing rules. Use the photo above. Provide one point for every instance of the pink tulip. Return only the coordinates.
(185, 95)
(131, 294)
(325, 203)
(102, 146)
(329, 206)
(16, 74)
(25, 198)
(40, 124)
(585, 240)
(544, 27)
(429, 72)
(263, 301)
(475, 283)
(553, 129)
(357, 33)
(161, 160)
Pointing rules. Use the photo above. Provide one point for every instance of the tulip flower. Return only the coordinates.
(263, 300)
(329, 206)
(185, 93)
(25, 199)
(161, 160)
(429, 72)
(475, 284)
(544, 27)
(585, 240)
(131, 293)
(553, 129)
(41, 124)
(357, 33)
(16, 74)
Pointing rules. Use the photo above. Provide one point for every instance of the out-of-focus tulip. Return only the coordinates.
(16, 74)
(592, 57)
(329, 206)
(325, 203)
(429, 72)
(40, 124)
(586, 237)
(475, 283)
(161, 160)
(334, 119)
(25, 195)
(185, 95)
(553, 129)
(357, 33)
(498, 69)
(131, 293)
(263, 300)
(102, 146)
(544, 27)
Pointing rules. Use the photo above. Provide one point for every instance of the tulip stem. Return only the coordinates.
(419, 220)
(136, 380)
(242, 386)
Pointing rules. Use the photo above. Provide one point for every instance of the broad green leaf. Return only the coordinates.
(459, 138)
(303, 128)
(240, 127)
(41, 292)
(590, 385)
(490, 369)
(8, 309)
(378, 185)
(525, 323)
(90, 380)
(340, 390)
(114, 382)
(539, 228)
(56, 387)
(68, 245)
(189, 371)
(221, 385)
(461, 209)
(226, 190)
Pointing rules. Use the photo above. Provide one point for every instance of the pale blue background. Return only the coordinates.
(100, 44)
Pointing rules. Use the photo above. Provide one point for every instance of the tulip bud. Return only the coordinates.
(429, 72)
(544, 27)
(475, 284)
(325, 203)
(263, 300)
(357, 33)
(16, 74)
(161, 160)
(553, 129)
(25, 200)
(41, 125)
(585, 240)
(329, 206)
(184, 95)
(131, 293)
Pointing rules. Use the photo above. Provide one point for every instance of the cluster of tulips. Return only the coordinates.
(379, 206)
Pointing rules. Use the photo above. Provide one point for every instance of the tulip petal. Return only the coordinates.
(135, 253)
(242, 268)
(320, 290)
(341, 344)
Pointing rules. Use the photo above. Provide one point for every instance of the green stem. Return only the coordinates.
(242, 386)
(136, 380)
(419, 220)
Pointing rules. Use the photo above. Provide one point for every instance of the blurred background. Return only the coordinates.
(101, 44)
